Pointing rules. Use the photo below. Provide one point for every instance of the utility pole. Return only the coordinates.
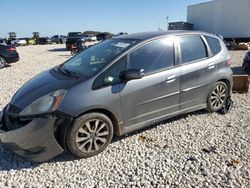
(167, 22)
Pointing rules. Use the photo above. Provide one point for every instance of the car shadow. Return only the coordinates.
(170, 120)
(7, 66)
(9, 160)
(58, 50)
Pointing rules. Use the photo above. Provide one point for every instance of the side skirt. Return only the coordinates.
(127, 129)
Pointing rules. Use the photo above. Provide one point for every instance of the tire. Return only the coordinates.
(217, 97)
(2, 62)
(90, 135)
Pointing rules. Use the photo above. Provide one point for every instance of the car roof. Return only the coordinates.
(153, 34)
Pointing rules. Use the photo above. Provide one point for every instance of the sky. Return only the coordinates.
(51, 17)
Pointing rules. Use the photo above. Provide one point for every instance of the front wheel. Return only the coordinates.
(2, 62)
(90, 135)
(217, 97)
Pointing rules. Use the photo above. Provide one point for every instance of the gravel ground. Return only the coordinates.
(194, 150)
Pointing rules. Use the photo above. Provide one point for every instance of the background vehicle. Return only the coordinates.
(104, 36)
(2, 41)
(72, 37)
(116, 87)
(8, 54)
(121, 33)
(31, 41)
(59, 39)
(78, 47)
(231, 45)
(89, 38)
(18, 42)
(44, 40)
(246, 63)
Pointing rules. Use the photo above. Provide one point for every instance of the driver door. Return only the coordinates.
(156, 94)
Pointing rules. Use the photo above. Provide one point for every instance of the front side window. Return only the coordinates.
(95, 58)
(214, 44)
(192, 48)
(112, 75)
(153, 57)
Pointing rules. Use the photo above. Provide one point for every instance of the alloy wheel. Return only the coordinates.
(92, 136)
(2, 62)
(218, 96)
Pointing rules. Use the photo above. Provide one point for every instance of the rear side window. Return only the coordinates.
(192, 48)
(214, 44)
(153, 57)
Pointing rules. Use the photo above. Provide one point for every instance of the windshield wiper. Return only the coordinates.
(68, 72)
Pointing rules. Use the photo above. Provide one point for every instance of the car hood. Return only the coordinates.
(41, 85)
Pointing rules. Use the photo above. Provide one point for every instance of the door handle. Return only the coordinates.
(211, 66)
(171, 79)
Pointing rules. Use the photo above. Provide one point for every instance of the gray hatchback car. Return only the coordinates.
(113, 88)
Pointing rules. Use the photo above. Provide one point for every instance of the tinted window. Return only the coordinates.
(112, 75)
(75, 34)
(192, 48)
(152, 57)
(214, 44)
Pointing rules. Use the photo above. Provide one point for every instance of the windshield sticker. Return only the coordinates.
(122, 45)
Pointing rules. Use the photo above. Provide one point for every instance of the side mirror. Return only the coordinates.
(132, 74)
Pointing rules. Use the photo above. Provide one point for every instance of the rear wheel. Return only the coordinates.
(217, 97)
(2, 62)
(90, 135)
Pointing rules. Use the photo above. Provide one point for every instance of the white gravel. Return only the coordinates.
(194, 150)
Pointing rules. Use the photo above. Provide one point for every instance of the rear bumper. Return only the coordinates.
(35, 141)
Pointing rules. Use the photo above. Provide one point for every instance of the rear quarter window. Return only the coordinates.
(214, 44)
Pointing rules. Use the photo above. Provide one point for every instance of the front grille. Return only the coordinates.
(14, 109)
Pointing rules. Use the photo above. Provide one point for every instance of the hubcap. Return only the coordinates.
(218, 96)
(92, 135)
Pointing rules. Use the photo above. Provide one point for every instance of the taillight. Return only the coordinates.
(229, 61)
(11, 49)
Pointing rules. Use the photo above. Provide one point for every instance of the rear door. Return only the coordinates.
(157, 93)
(198, 70)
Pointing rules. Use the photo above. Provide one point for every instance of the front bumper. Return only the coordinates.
(35, 141)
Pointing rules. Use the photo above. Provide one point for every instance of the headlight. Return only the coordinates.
(45, 104)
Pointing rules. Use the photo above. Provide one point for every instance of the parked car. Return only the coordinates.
(8, 54)
(89, 38)
(103, 36)
(72, 38)
(59, 39)
(121, 33)
(2, 41)
(18, 42)
(31, 41)
(113, 88)
(246, 63)
(44, 40)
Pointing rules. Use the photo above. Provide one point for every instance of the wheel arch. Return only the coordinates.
(228, 83)
(108, 113)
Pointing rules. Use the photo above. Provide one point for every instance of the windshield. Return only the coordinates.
(95, 58)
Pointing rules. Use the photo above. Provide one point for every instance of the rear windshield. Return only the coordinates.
(214, 44)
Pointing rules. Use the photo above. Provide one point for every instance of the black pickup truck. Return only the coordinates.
(72, 37)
